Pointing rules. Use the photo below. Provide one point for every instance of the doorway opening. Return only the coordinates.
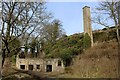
(49, 68)
(31, 67)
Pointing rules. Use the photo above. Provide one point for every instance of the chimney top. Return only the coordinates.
(86, 7)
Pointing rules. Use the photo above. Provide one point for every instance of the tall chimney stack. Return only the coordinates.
(87, 22)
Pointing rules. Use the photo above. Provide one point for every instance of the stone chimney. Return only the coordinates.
(87, 22)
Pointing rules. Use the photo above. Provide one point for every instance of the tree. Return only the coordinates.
(119, 31)
(0, 56)
(19, 18)
(108, 13)
(66, 56)
(34, 48)
(52, 31)
(14, 47)
(50, 34)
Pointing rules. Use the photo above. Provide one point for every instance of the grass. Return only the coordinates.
(100, 61)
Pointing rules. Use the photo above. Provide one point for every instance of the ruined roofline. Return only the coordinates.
(40, 58)
(86, 7)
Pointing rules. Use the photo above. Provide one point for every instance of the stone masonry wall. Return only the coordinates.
(42, 62)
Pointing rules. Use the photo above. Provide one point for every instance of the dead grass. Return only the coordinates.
(100, 61)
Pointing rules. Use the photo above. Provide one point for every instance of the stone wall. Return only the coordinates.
(42, 64)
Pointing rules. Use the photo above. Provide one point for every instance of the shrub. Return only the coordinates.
(87, 41)
(66, 56)
(14, 59)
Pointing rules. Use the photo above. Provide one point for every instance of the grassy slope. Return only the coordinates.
(99, 61)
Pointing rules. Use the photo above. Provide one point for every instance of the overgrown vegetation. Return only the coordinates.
(104, 35)
(87, 41)
(100, 61)
(14, 59)
(32, 21)
(69, 46)
(65, 48)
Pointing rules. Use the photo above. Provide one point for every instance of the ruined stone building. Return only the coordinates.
(39, 64)
(87, 22)
(42, 65)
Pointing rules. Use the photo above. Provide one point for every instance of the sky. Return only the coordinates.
(70, 14)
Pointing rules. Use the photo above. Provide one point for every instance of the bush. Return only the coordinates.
(14, 59)
(66, 56)
(87, 41)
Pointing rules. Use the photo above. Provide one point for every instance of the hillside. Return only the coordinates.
(69, 47)
(100, 61)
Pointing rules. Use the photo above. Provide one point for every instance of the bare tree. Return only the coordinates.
(107, 13)
(19, 18)
(52, 31)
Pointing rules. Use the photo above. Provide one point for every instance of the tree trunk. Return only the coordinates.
(118, 35)
(0, 57)
(0, 64)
